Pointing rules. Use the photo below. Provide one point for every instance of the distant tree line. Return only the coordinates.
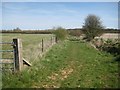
(27, 31)
(78, 32)
(73, 32)
(111, 30)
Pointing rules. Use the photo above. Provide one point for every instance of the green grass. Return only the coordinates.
(31, 44)
(68, 64)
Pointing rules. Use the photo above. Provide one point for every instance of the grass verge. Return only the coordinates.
(68, 64)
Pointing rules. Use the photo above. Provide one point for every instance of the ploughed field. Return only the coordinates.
(66, 64)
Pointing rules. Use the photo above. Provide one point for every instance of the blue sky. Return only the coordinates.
(60, 0)
(46, 15)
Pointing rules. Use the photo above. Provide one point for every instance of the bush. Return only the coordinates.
(111, 47)
(60, 33)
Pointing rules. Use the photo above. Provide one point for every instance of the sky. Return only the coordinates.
(60, 0)
(46, 15)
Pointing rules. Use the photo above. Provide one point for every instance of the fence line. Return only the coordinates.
(18, 61)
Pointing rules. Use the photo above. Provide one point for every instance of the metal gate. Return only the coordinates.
(11, 58)
(7, 56)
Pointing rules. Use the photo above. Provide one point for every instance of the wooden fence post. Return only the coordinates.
(56, 39)
(18, 54)
(42, 45)
(51, 40)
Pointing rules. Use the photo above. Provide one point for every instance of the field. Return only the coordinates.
(31, 44)
(69, 63)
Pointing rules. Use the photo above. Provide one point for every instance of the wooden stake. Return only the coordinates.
(42, 45)
(18, 54)
(56, 39)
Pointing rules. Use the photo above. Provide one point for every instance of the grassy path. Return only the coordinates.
(79, 65)
(69, 64)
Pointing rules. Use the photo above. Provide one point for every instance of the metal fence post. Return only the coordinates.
(18, 54)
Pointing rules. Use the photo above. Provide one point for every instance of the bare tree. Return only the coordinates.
(92, 27)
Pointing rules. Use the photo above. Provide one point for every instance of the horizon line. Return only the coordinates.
(56, 27)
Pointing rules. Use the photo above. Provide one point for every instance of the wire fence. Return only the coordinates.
(16, 61)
